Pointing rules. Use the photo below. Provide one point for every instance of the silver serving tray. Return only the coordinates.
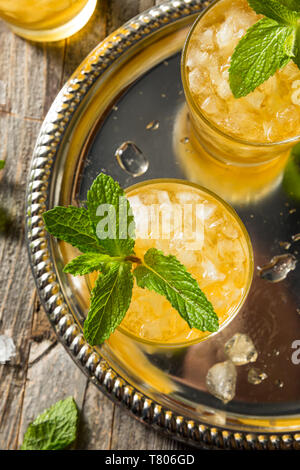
(130, 80)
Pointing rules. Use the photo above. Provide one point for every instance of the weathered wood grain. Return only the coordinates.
(42, 372)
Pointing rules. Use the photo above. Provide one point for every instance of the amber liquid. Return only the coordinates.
(220, 259)
(46, 20)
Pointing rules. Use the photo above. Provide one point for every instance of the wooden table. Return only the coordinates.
(30, 77)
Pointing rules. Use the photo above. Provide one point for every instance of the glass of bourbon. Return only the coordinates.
(250, 131)
(46, 20)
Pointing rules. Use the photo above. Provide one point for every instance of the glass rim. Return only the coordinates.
(238, 307)
(198, 110)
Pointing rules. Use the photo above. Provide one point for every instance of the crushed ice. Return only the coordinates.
(240, 349)
(221, 380)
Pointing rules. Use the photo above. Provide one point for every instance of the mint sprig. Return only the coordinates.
(267, 46)
(114, 259)
(110, 301)
(54, 429)
(72, 225)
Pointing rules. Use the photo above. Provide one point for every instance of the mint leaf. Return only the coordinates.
(87, 263)
(291, 4)
(296, 57)
(265, 48)
(54, 429)
(72, 224)
(276, 10)
(167, 276)
(2, 164)
(111, 216)
(110, 301)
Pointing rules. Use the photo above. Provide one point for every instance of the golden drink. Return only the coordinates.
(207, 236)
(46, 20)
(248, 130)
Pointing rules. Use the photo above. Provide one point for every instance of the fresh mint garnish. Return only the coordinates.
(118, 216)
(87, 263)
(72, 224)
(54, 429)
(275, 9)
(167, 276)
(267, 46)
(110, 301)
(2, 164)
(112, 293)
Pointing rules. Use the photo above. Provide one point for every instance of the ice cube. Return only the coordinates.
(268, 129)
(185, 197)
(206, 39)
(210, 105)
(163, 197)
(196, 59)
(240, 349)
(7, 349)
(295, 97)
(188, 258)
(223, 89)
(229, 231)
(221, 380)
(210, 271)
(208, 210)
(225, 34)
(195, 81)
(255, 99)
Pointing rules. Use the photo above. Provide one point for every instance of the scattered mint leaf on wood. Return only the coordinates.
(87, 263)
(2, 164)
(72, 224)
(105, 190)
(267, 46)
(110, 301)
(54, 429)
(258, 55)
(167, 276)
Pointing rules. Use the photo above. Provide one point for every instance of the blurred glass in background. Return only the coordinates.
(46, 20)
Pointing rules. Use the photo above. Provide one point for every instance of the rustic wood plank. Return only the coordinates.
(17, 292)
(53, 378)
(23, 90)
(96, 421)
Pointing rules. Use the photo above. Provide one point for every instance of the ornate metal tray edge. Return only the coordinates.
(67, 331)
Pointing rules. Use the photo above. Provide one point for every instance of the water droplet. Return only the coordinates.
(163, 95)
(115, 108)
(296, 237)
(131, 159)
(278, 268)
(152, 126)
(285, 245)
(292, 211)
(298, 311)
(180, 92)
(278, 383)
(166, 62)
(185, 140)
(255, 376)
